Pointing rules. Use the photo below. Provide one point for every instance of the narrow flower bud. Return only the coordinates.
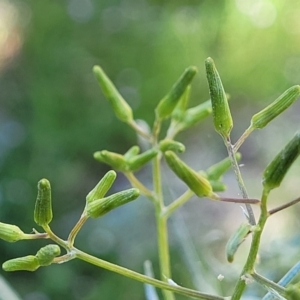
(220, 108)
(262, 118)
(102, 206)
(115, 160)
(180, 108)
(276, 170)
(100, 190)
(10, 233)
(166, 106)
(168, 144)
(218, 169)
(46, 254)
(197, 183)
(236, 239)
(139, 161)
(43, 204)
(26, 263)
(133, 151)
(121, 108)
(194, 115)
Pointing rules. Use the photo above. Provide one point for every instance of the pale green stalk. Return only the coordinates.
(162, 228)
(76, 229)
(143, 278)
(268, 283)
(169, 210)
(239, 179)
(249, 265)
(137, 184)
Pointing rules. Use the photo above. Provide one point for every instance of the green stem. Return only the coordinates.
(76, 229)
(138, 130)
(177, 203)
(239, 179)
(268, 283)
(162, 228)
(35, 236)
(143, 278)
(55, 238)
(249, 265)
(242, 139)
(136, 183)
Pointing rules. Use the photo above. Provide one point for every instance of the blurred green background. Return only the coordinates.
(53, 116)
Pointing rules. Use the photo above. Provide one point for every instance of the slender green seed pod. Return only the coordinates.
(168, 144)
(43, 204)
(276, 170)
(115, 160)
(218, 169)
(220, 108)
(102, 206)
(46, 254)
(194, 115)
(121, 108)
(10, 233)
(180, 108)
(138, 161)
(262, 118)
(133, 151)
(100, 190)
(197, 183)
(166, 106)
(236, 239)
(26, 263)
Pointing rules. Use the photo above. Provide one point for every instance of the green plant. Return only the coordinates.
(200, 183)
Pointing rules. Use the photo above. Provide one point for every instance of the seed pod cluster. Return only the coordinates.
(43, 204)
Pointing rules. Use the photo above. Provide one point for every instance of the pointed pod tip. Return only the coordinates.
(192, 69)
(209, 60)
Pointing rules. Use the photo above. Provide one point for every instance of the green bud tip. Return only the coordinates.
(43, 205)
(46, 254)
(10, 233)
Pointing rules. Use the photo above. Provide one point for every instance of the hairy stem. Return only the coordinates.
(249, 265)
(239, 179)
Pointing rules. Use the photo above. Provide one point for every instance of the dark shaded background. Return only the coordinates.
(53, 116)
